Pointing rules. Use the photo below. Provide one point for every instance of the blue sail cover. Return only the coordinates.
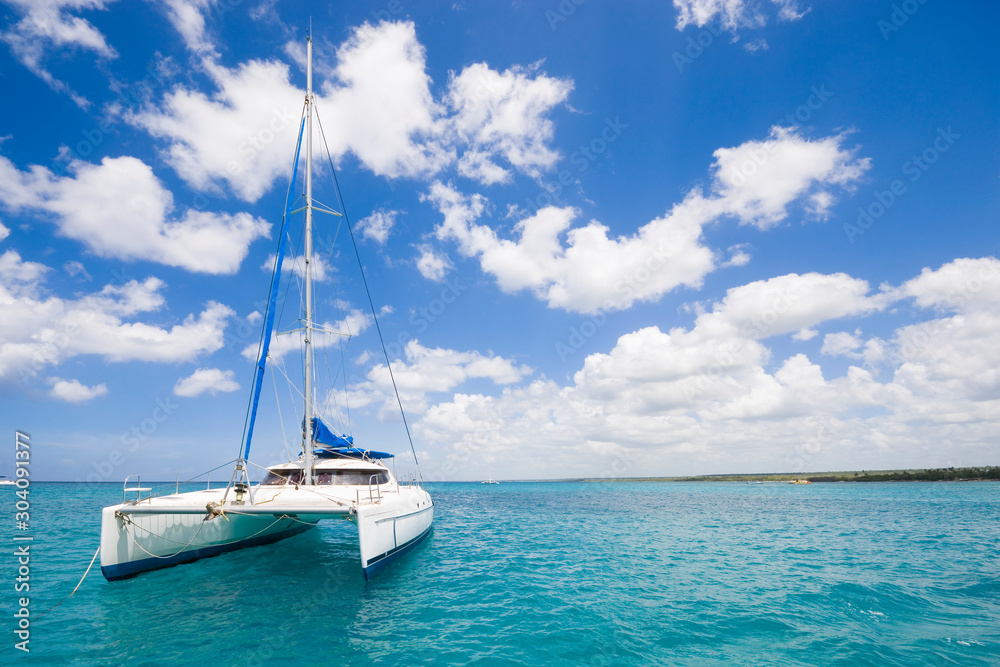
(339, 445)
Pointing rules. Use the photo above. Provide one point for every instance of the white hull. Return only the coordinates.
(160, 532)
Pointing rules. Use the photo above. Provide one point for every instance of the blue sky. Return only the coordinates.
(675, 238)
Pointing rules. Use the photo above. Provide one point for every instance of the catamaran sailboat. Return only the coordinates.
(332, 479)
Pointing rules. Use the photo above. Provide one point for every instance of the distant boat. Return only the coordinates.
(331, 479)
(4, 481)
(800, 481)
(490, 480)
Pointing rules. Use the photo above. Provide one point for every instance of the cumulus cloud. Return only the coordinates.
(119, 209)
(958, 285)
(187, 17)
(325, 334)
(242, 135)
(591, 270)
(432, 265)
(211, 380)
(376, 103)
(732, 14)
(72, 391)
(505, 114)
(376, 227)
(39, 331)
(296, 264)
(756, 181)
(426, 371)
(714, 393)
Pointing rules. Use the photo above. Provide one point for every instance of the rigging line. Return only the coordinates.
(279, 364)
(261, 346)
(281, 420)
(291, 385)
(371, 303)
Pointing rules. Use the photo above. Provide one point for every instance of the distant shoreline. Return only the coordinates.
(972, 474)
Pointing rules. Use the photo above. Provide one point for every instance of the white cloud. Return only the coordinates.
(957, 285)
(18, 276)
(321, 269)
(732, 14)
(737, 256)
(432, 265)
(757, 180)
(791, 303)
(326, 334)
(379, 104)
(375, 103)
(120, 209)
(188, 19)
(211, 380)
(4, 232)
(592, 270)
(243, 135)
(714, 394)
(377, 226)
(77, 270)
(430, 370)
(841, 343)
(788, 10)
(72, 391)
(37, 332)
(505, 114)
(49, 24)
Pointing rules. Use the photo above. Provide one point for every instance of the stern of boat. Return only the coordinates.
(392, 526)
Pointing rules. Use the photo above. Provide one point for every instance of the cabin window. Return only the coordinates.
(328, 477)
(352, 477)
(279, 477)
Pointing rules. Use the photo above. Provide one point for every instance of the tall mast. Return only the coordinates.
(307, 432)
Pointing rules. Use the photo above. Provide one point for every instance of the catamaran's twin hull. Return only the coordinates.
(161, 532)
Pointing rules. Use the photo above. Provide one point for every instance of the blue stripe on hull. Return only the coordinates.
(132, 568)
(378, 562)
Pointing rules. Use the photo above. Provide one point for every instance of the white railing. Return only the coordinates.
(138, 489)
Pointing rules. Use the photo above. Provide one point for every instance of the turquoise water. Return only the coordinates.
(571, 573)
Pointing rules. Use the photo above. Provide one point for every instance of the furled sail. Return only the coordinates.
(272, 300)
(339, 445)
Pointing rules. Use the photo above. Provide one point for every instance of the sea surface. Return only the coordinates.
(623, 573)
